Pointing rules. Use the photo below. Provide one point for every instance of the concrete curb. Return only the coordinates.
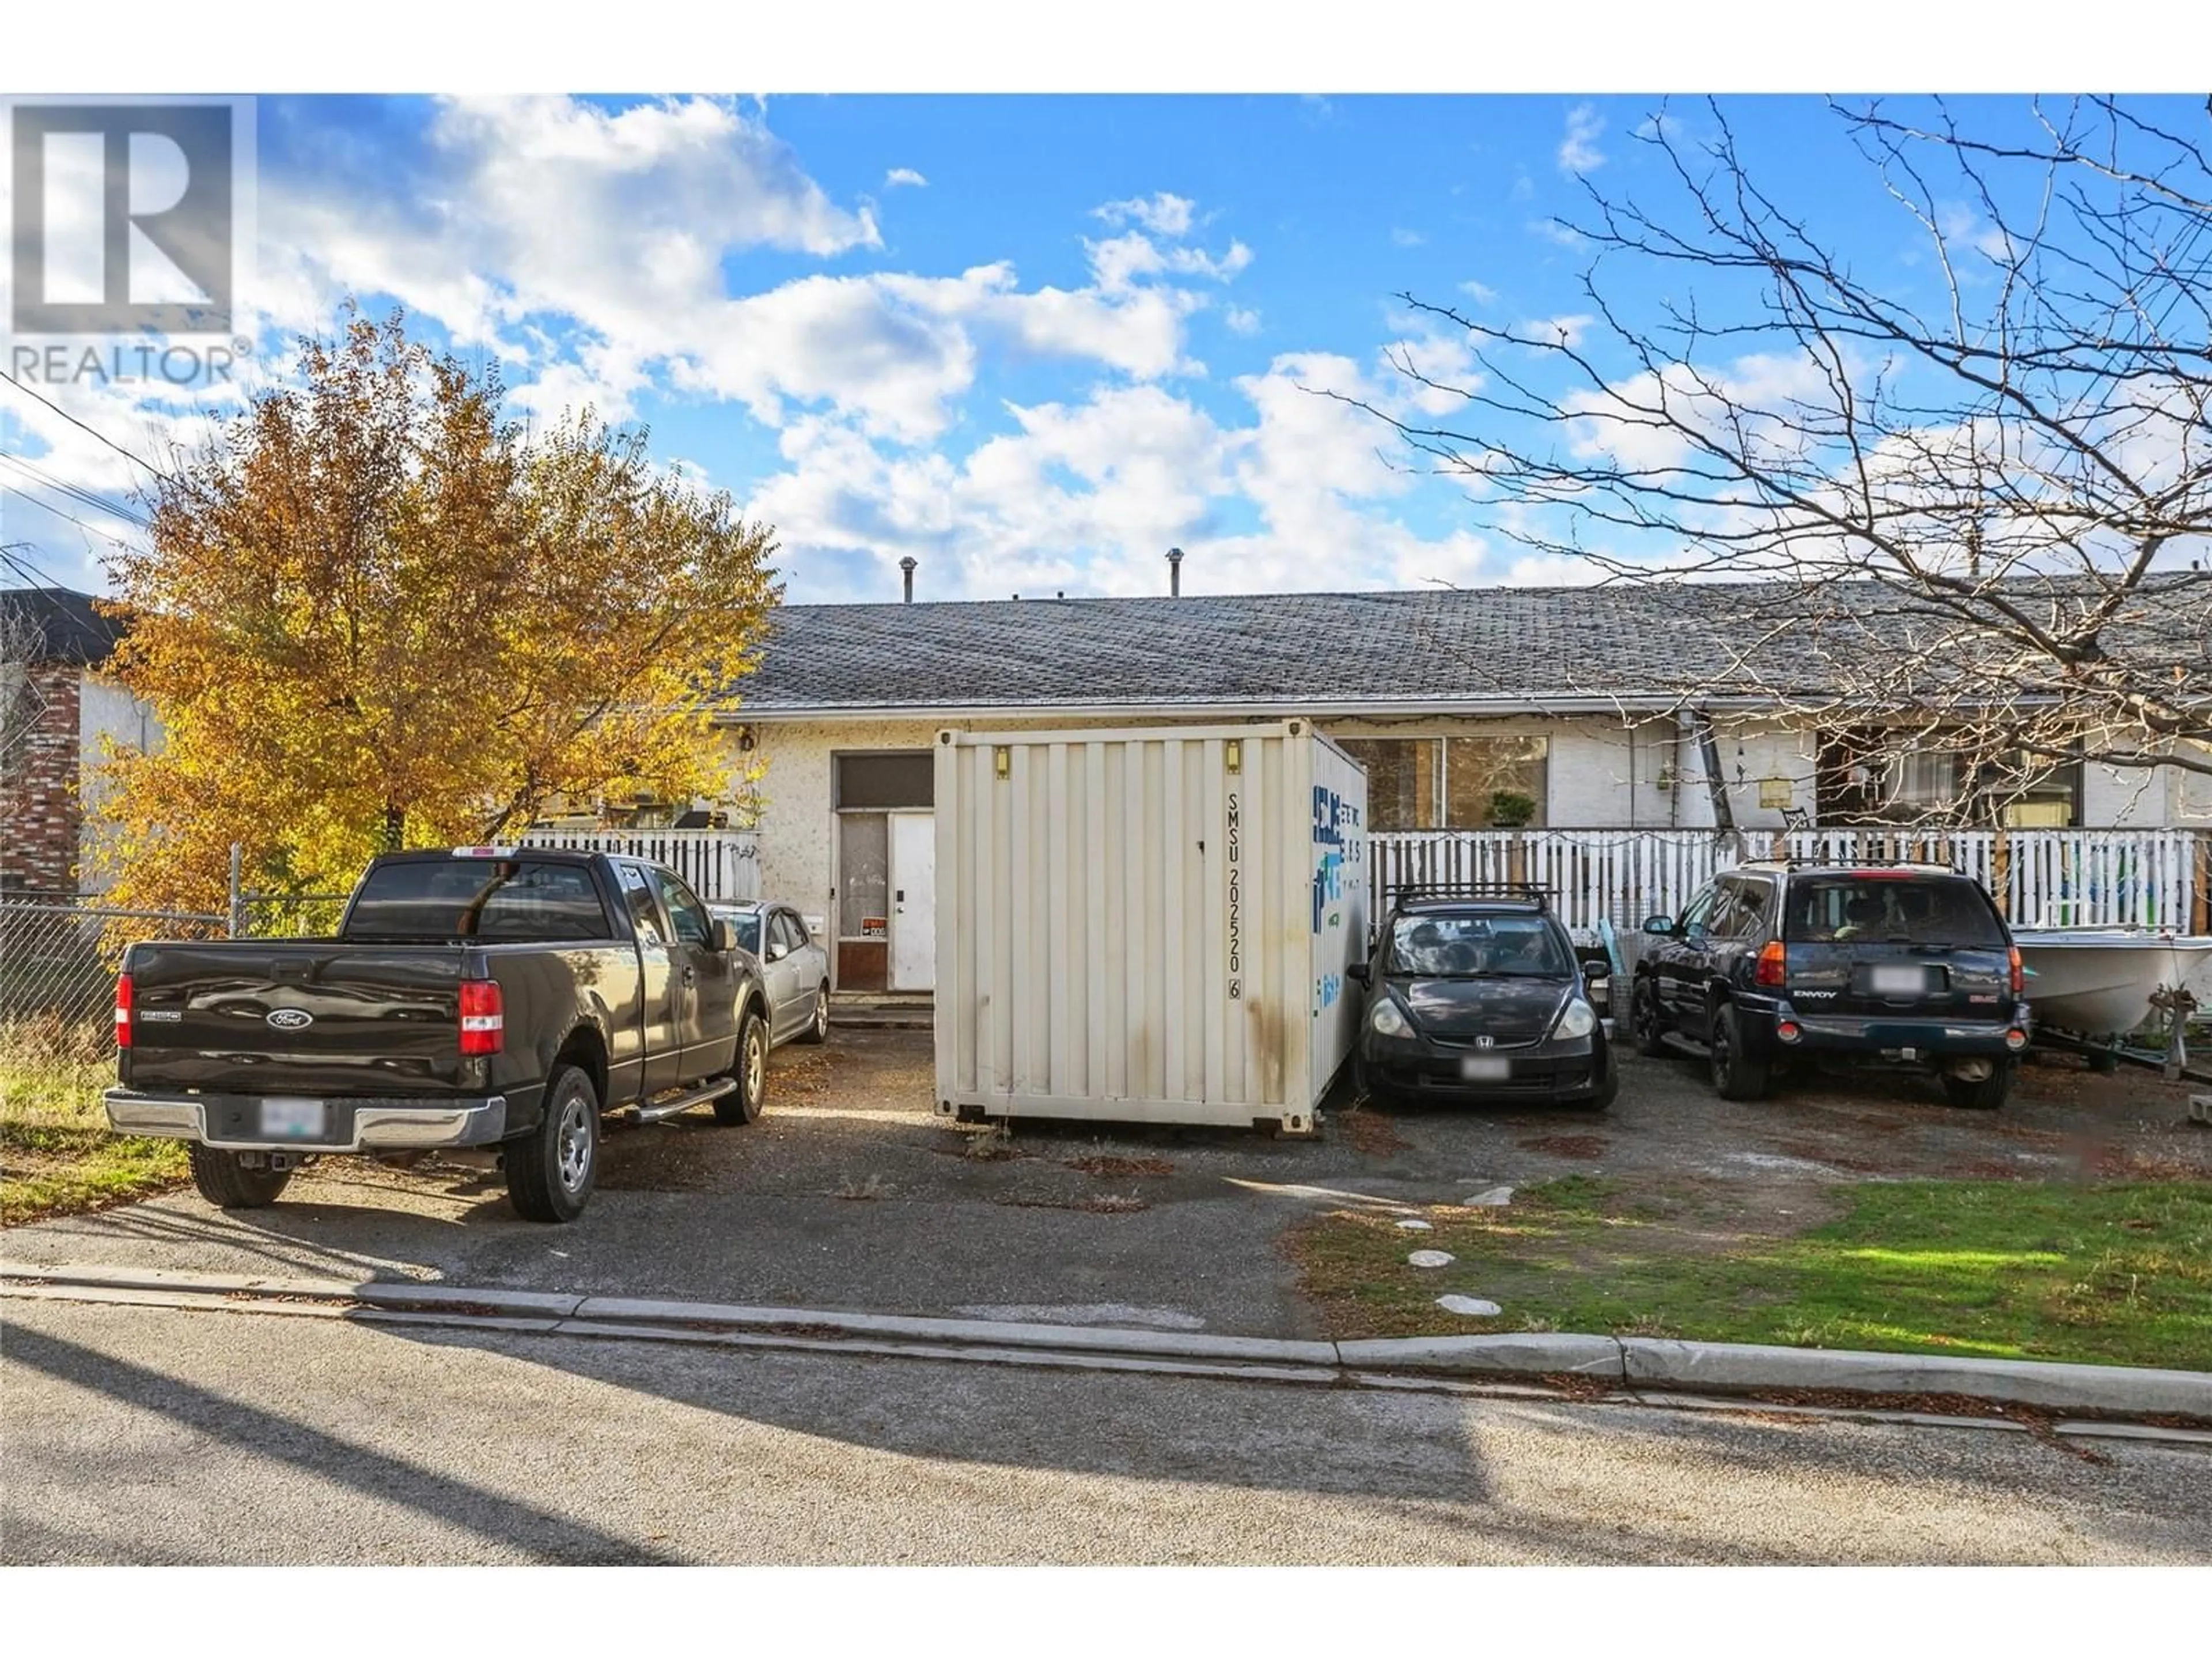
(1629, 1364)
(1520, 1353)
(1709, 1367)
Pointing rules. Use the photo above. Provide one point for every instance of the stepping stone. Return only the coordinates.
(1472, 1306)
(1414, 1226)
(1431, 1259)
(1493, 1196)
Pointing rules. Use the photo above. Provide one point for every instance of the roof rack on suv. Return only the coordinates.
(1524, 892)
(1856, 861)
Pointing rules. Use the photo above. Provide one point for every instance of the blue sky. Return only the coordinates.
(1030, 341)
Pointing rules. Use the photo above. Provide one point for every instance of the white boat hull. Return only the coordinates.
(2099, 982)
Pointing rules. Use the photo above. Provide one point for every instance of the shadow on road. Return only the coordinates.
(239, 1427)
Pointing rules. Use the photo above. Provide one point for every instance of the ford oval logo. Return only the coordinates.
(290, 1019)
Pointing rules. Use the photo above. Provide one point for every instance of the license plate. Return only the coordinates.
(292, 1119)
(1898, 982)
(1484, 1070)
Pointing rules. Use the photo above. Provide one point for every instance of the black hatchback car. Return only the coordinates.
(1476, 993)
(1781, 964)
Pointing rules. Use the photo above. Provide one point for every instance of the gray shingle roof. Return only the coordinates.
(63, 625)
(1504, 644)
(1499, 647)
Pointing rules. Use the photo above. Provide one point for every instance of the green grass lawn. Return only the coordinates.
(2119, 1273)
(56, 1152)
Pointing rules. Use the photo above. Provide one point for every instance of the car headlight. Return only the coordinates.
(1388, 1019)
(1576, 1019)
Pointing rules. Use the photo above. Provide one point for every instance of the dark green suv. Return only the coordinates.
(1777, 966)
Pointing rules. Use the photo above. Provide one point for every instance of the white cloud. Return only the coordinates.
(1401, 237)
(1161, 214)
(1621, 421)
(1087, 496)
(1443, 370)
(1553, 231)
(1481, 292)
(587, 251)
(1578, 150)
(898, 176)
(1242, 320)
(1567, 329)
(1119, 261)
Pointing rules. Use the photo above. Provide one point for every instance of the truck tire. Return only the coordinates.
(551, 1170)
(1736, 1075)
(1984, 1095)
(228, 1184)
(1645, 1023)
(743, 1104)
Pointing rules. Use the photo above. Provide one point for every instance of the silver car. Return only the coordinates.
(794, 967)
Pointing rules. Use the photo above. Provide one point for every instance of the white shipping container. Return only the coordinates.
(1147, 925)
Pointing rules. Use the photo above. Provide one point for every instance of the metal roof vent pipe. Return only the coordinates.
(1175, 573)
(906, 565)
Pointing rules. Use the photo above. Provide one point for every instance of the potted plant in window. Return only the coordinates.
(1511, 809)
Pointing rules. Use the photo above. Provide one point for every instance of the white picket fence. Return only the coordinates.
(721, 865)
(2040, 878)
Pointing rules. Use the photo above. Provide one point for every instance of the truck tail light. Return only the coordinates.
(483, 1018)
(2018, 973)
(123, 1010)
(1773, 963)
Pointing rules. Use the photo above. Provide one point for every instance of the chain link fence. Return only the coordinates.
(59, 953)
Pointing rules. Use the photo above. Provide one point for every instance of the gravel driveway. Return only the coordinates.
(851, 1194)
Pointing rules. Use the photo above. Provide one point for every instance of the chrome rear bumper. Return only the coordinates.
(352, 1125)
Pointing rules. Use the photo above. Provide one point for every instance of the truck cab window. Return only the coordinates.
(644, 911)
(685, 913)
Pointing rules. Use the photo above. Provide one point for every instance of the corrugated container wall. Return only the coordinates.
(1149, 924)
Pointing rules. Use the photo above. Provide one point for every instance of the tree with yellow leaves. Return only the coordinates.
(377, 612)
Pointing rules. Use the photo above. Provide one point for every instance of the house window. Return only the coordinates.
(875, 783)
(1453, 783)
(1907, 777)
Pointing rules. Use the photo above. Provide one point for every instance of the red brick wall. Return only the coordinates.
(40, 806)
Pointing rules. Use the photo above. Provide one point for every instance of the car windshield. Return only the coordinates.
(1891, 909)
(1476, 947)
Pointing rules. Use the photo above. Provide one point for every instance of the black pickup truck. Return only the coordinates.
(493, 997)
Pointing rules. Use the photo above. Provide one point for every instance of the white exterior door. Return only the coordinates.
(914, 902)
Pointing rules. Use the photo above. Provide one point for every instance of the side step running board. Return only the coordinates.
(653, 1110)
(1686, 1045)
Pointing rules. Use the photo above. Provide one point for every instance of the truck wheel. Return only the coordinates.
(229, 1184)
(1981, 1094)
(743, 1104)
(818, 1029)
(550, 1172)
(1736, 1075)
(1643, 1018)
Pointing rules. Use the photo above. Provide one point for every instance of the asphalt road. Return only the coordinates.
(136, 1435)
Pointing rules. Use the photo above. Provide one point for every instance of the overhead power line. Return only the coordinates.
(77, 493)
(128, 454)
(48, 507)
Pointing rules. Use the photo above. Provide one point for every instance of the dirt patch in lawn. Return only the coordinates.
(1588, 1146)
(2118, 1273)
